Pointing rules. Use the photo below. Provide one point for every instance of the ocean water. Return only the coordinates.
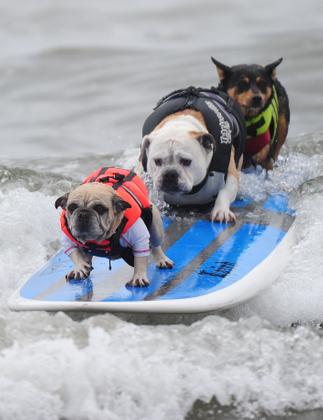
(77, 80)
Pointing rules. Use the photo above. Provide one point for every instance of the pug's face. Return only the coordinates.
(177, 161)
(93, 211)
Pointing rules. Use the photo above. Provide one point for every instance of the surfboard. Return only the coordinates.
(216, 266)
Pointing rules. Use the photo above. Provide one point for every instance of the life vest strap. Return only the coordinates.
(121, 179)
(101, 172)
(223, 119)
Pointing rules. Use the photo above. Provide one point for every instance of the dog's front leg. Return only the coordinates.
(221, 211)
(140, 277)
(82, 265)
(262, 155)
(282, 134)
(156, 239)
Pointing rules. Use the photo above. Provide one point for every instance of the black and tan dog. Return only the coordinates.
(265, 105)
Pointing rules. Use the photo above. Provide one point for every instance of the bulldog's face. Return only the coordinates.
(93, 211)
(177, 161)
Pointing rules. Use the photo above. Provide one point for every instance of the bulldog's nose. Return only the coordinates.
(256, 101)
(170, 180)
(170, 176)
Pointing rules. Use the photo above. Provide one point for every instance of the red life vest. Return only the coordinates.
(255, 144)
(131, 189)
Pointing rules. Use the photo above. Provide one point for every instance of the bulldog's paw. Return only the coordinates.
(221, 215)
(138, 280)
(164, 262)
(80, 272)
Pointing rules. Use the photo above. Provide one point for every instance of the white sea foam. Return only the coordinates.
(122, 370)
(105, 367)
(28, 229)
(292, 171)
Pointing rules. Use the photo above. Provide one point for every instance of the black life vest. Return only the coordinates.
(223, 118)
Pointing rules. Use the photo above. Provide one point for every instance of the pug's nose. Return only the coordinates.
(83, 214)
(256, 101)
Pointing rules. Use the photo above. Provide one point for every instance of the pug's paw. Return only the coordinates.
(161, 260)
(164, 262)
(138, 280)
(80, 272)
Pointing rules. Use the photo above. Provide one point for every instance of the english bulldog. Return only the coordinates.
(192, 148)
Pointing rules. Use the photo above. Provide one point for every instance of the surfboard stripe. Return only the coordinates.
(282, 221)
(250, 245)
(196, 262)
(200, 235)
(242, 202)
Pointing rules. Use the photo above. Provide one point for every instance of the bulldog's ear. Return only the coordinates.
(207, 141)
(119, 205)
(223, 70)
(143, 152)
(271, 68)
(61, 201)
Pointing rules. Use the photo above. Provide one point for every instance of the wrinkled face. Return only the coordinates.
(251, 87)
(177, 161)
(93, 211)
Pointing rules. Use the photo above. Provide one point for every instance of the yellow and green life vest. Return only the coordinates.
(267, 119)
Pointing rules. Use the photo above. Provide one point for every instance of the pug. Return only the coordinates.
(192, 149)
(93, 223)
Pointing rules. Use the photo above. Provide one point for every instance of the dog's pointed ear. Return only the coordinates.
(61, 201)
(143, 152)
(223, 70)
(271, 68)
(119, 205)
(207, 141)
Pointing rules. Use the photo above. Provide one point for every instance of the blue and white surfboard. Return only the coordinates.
(216, 266)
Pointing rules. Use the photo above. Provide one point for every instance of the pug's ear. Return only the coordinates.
(271, 68)
(223, 70)
(119, 205)
(143, 158)
(61, 201)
